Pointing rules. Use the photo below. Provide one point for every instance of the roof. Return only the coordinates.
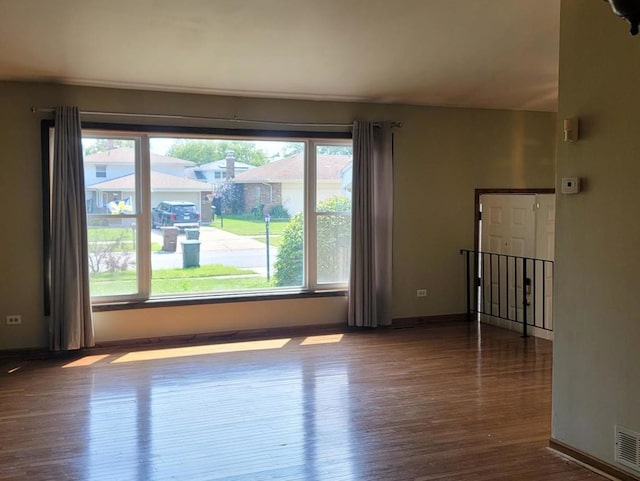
(217, 165)
(220, 164)
(159, 181)
(292, 169)
(126, 155)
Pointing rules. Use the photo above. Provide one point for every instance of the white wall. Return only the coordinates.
(292, 197)
(293, 194)
(324, 190)
(596, 362)
(113, 171)
(237, 316)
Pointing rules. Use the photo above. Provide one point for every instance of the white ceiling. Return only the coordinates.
(472, 53)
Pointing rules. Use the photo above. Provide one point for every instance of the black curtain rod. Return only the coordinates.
(214, 119)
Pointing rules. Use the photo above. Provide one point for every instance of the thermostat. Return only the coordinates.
(570, 185)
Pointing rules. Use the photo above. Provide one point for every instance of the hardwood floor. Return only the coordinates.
(428, 403)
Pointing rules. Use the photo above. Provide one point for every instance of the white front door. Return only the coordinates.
(508, 227)
(508, 224)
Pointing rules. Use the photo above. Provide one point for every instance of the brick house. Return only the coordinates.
(281, 182)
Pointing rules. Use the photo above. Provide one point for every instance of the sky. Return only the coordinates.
(160, 145)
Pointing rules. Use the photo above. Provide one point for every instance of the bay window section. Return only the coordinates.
(219, 211)
(332, 213)
(112, 193)
(174, 216)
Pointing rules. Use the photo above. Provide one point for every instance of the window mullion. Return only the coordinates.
(143, 191)
(310, 216)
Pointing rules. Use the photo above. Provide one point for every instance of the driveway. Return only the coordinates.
(218, 247)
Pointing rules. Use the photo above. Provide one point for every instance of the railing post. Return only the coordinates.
(476, 294)
(544, 294)
(468, 287)
(524, 297)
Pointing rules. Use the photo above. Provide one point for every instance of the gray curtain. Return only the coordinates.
(71, 323)
(370, 289)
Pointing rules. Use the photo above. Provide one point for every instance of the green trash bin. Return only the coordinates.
(192, 234)
(190, 253)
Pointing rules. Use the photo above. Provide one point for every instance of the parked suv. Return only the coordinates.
(176, 213)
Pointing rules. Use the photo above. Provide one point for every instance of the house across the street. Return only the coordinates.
(218, 171)
(281, 182)
(111, 182)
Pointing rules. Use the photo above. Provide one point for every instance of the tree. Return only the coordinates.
(101, 145)
(290, 149)
(335, 149)
(294, 148)
(333, 244)
(232, 197)
(205, 151)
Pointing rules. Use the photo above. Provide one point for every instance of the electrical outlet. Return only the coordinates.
(14, 319)
(421, 293)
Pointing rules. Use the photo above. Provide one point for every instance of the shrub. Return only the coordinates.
(109, 252)
(334, 241)
(289, 264)
(279, 212)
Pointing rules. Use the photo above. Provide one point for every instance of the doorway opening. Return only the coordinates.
(514, 236)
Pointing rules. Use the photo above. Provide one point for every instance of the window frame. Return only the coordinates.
(142, 221)
(312, 215)
(144, 132)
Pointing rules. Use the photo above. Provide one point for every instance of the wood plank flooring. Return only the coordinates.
(442, 402)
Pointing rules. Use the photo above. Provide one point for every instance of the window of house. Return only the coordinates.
(218, 175)
(159, 233)
(101, 170)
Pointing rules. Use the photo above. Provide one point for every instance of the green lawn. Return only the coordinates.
(249, 225)
(102, 235)
(208, 278)
(176, 281)
(105, 234)
(178, 286)
(213, 270)
(274, 239)
(126, 246)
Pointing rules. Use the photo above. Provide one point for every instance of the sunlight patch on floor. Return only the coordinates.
(328, 339)
(201, 350)
(86, 361)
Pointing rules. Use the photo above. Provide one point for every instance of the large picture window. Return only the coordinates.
(179, 215)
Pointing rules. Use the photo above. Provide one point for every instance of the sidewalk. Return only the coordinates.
(218, 247)
(214, 239)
